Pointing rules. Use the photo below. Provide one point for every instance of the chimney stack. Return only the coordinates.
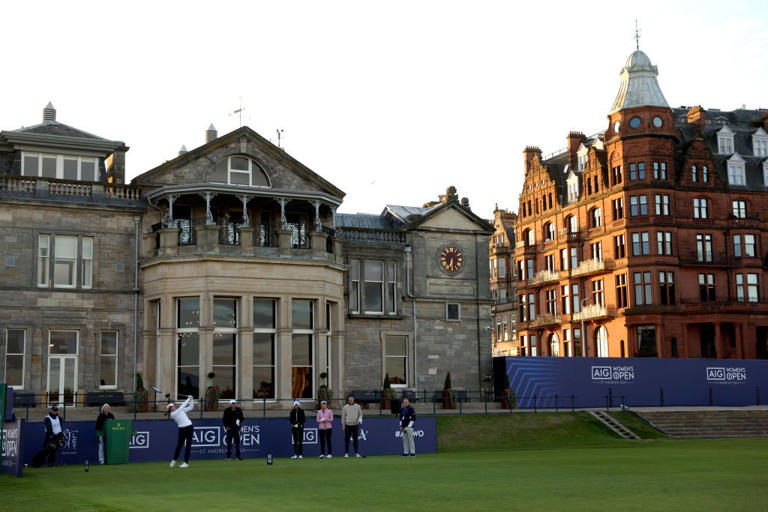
(211, 134)
(184, 149)
(574, 141)
(529, 152)
(49, 113)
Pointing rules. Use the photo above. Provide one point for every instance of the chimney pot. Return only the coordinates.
(49, 113)
(211, 134)
(182, 150)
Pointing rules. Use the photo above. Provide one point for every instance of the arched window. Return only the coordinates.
(601, 340)
(572, 223)
(621, 345)
(549, 231)
(239, 170)
(595, 217)
(529, 237)
(554, 345)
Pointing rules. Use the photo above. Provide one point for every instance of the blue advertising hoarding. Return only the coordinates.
(13, 447)
(154, 440)
(636, 382)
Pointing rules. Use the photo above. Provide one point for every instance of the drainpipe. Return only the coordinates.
(135, 297)
(477, 316)
(409, 293)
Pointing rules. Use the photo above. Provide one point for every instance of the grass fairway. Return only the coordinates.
(597, 472)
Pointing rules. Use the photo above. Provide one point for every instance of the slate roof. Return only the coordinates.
(363, 221)
(57, 128)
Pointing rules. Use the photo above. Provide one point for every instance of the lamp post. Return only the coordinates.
(583, 332)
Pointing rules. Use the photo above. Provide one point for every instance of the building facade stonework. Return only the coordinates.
(226, 267)
(503, 284)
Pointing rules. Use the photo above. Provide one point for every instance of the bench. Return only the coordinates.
(365, 397)
(25, 400)
(97, 399)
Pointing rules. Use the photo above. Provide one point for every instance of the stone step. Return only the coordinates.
(710, 423)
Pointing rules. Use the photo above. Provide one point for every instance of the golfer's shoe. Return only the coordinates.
(173, 463)
(329, 456)
(227, 458)
(185, 465)
(346, 455)
(294, 456)
(404, 455)
(357, 455)
(322, 456)
(301, 457)
(413, 455)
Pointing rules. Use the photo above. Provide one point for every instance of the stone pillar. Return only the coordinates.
(208, 215)
(318, 243)
(738, 333)
(205, 349)
(169, 241)
(165, 349)
(246, 238)
(685, 351)
(284, 352)
(244, 199)
(284, 241)
(338, 249)
(660, 340)
(245, 348)
(719, 345)
(208, 237)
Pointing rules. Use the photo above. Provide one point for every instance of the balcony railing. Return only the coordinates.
(592, 311)
(68, 190)
(592, 266)
(543, 276)
(543, 320)
(373, 236)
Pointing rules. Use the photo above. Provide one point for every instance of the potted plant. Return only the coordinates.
(324, 392)
(449, 395)
(387, 393)
(212, 394)
(141, 399)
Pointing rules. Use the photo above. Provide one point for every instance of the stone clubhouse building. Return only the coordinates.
(228, 260)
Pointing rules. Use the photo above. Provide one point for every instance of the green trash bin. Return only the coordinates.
(118, 438)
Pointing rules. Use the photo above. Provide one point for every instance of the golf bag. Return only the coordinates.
(52, 444)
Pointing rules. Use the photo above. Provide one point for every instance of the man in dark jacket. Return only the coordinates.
(54, 434)
(104, 415)
(233, 419)
(407, 419)
(297, 429)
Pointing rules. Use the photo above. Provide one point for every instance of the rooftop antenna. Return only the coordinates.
(280, 138)
(637, 36)
(239, 112)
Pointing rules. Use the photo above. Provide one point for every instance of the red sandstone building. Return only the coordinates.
(652, 234)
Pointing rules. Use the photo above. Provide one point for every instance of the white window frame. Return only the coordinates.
(354, 284)
(114, 356)
(312, 354)
(700, 208)
(381, 283)
(458, 310)
(391, 291)
(22, 354)
(725, 141)
(760, 143)
(43, 260)
(602, 341)
(739, 208)
(736, 171)
(750, 253)
(765, 173)
(228, 331)
(184, 330)
(86, 262)
(59, 165)
(273, 332)
(407, 357)
(73, 278)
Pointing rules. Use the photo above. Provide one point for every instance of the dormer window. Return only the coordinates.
(760, 143)
(736, 171)
(765, 173)
(62, 167)
(725, 141)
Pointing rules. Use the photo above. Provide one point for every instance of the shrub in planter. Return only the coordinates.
(387, 393)
(142, 396)
(449, 395)
(212, 395)
(324, 392)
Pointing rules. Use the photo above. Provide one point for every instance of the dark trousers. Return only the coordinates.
(185, 435)
(350, 432)
(233, 433)
(50, 449)
(325, 440)
(298, 440)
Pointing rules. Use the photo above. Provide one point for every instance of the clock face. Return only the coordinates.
(451, 259)
(658, 122)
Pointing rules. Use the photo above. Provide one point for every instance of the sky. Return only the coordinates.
(393, 101)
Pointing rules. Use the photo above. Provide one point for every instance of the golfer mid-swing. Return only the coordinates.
(185, 429)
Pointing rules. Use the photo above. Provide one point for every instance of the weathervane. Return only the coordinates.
(239, 112)
(637, 36)
(280, 137)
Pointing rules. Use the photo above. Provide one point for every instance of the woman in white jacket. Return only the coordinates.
(185, 429)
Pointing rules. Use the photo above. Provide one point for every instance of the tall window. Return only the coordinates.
(643, 292)
(188, 346)
(707, 287)
(549, 232)
(597, 292)
(739, 209)
(618, 208)
(108, 360)
(575, 297)
(596, 250)
(662, 204)
(621, 291)
(694, 174)
(725, 141)
(700, 207)
(264, 330)
(87, 262)
(563, 259)
(759, 146)
(596, 217)
(704, 247)
(532, 345)
(373, 286)
(567, 343)
(392, 285)
(618, 246)
(354, 286)
(574, 257)
(523, 305)
(14, 357)
(225, 346)
(549, 262)
(62, 167)
(529, 268)
(752, 294)
(396, 359)
(565, 297)
(664, 243)
(551, 298)
(65, 264)
(736, 173)
(601, 338)
(502, 269)
(573, 224)
(43, 255)
(530, 237)
(531, 307)
(704, 174)
(646, 341)
(616, 171)
(750, 249)
(641, 244)
(737, 246)
(659, 170)
(301, 365)
(637, 171)
(667, 288)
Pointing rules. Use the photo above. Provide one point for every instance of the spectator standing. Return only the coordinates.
(104, 415)
(324, 426)
(233, 419)
(351, 419)
(297, 429)
(407, 419)
(54, 434)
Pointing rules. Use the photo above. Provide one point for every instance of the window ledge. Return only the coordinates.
(377, 316)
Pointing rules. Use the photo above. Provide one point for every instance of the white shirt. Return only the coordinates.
(55, 424)
(180, 414)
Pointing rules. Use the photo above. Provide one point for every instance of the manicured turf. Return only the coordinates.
(596, 473)
(637, 425)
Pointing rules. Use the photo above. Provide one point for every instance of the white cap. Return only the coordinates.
(296, 402)
(170, 405)
(323, 402)
(233, 401)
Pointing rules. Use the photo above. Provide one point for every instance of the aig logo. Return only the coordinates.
(139, 440)
(601, 373)
(723, 374)
(206, 437)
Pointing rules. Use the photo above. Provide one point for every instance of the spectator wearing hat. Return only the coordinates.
(297, 429)
(54, 434)
(185, 429)
(233, 418)
(324, 425)
(407, 419)
(104, 415)
(351, 418)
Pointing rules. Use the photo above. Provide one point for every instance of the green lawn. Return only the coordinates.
(596, 472)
